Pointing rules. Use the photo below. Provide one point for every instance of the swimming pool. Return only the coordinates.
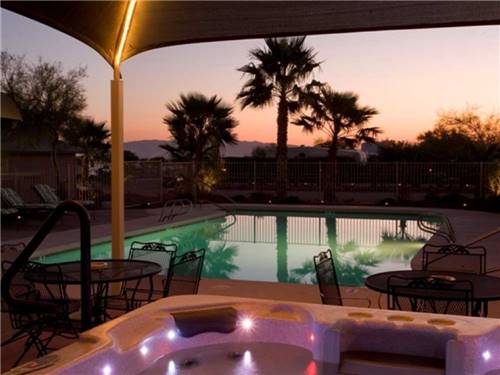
(279, 246)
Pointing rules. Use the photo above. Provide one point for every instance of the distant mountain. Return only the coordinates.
(147, 149)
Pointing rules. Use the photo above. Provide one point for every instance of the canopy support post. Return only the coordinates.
(117, 168)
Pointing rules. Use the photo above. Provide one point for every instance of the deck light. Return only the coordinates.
(144, 350)
(106, 370)
(171, 368)
(171, 334)
(247, 358)
(486, 355)
(247, 324)
(311, 337)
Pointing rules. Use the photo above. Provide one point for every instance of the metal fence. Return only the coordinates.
(158, 181)
(397, 178)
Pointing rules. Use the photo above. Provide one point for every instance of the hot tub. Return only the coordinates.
(225, 335)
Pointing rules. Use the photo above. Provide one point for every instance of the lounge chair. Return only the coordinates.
(49, 196)
(12, 200)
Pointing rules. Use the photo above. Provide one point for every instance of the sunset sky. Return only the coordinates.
(407, 75)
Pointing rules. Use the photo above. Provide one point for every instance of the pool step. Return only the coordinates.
(373, 363)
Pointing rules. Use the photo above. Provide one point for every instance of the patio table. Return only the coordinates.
(485, 288)
(103, 273)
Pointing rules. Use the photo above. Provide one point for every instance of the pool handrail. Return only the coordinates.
(185, 204)
(85, 259)
(447, 233)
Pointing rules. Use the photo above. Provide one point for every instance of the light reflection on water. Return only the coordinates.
(272, 246)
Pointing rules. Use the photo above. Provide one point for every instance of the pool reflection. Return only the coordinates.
(272, 246)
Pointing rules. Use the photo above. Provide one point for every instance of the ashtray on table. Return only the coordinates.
(447, 279)
(98, 265)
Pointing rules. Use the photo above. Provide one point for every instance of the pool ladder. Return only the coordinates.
(445, 230)
(175, 207)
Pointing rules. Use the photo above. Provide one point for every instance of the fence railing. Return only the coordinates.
(159, 181)
(390, 177)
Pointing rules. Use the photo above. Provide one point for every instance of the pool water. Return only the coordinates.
(279, 246)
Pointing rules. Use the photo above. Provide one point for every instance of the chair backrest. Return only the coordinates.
(454, 257)
(428, 294)
(11, 198)
(327, 278)
(22, 289)
(20, 286)
(161, 253)
(186, 273)
(46, 193)
(10, 251)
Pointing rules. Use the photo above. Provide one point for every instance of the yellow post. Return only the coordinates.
(117, 169)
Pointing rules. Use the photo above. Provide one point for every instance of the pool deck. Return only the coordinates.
(468, 226)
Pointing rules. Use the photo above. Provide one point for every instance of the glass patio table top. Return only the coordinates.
(485, 288)
(102, 271)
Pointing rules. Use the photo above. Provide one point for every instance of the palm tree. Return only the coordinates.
(91, 138)
(199, 126)
(282, 248)
(275, 73)
(339, 115)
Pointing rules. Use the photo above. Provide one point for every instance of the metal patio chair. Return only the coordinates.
(139, 292)
(10, 251)
(43, 309)
(454, 257)
(326, 275)
(430, 294)
(186, 273)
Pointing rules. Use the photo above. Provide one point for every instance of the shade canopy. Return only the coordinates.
(155, 24)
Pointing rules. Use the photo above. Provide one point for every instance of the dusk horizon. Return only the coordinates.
(420, 73)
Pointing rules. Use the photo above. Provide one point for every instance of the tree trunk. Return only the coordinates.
(331, 233)
(282, 150)
(196, 180)
(282, 248)
(330, 173)
(53, 155)
(85, 170)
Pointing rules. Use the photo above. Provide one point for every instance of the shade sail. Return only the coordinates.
(164, 23)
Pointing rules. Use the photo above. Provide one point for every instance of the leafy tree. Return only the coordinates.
(91, 138)
(480, 135)
(342, 119)
(391, 150)
(48, 98)
(275, 74)
(262, 152)
(130, 156)
(460, 136)
(199, 126)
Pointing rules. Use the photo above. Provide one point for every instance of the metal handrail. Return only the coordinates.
(447, 235)
(185, 204)
(85, 258)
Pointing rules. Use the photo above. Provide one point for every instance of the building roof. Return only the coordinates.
(42, 147)
(154, 24)
(9, 109)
